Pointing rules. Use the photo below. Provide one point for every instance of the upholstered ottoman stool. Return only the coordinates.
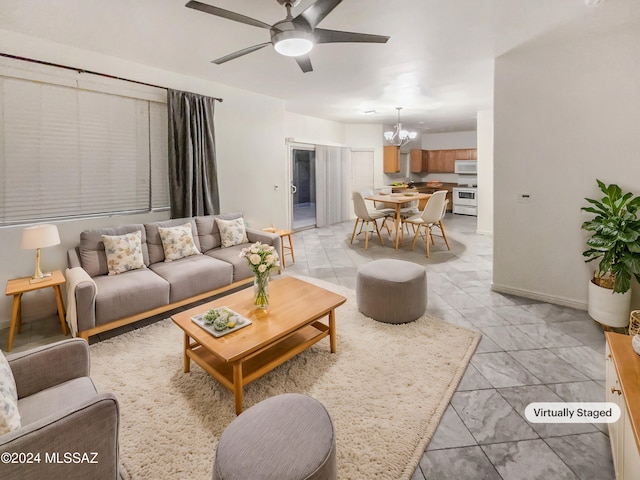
(286, 437)
(392, 291)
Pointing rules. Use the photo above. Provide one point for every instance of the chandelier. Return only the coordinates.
(399, 137)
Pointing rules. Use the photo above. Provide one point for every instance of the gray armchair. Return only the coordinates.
(64, 419)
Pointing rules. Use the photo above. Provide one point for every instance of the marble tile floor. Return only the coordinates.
(530, 351)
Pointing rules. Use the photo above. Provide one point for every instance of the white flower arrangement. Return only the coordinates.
(261, 258)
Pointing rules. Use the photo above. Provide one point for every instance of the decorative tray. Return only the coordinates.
(225, 316)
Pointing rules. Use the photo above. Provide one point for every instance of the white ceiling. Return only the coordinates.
(438, 64)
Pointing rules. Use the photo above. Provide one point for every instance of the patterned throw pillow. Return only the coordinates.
(9, 415)
(124, 252)
(177, 242)
(232, 232)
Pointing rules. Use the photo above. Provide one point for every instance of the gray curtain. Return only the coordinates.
(193, 177)
(333, 178)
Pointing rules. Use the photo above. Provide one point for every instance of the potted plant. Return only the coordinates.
(615, 241)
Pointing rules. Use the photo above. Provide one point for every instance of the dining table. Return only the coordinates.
(397, 200)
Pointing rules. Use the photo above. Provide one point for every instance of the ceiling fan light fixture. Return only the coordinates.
(292, 43)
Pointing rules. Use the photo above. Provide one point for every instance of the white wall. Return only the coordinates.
(566, 113)
(449, 141)
(250, 147)
(485, 172)
(312, 130)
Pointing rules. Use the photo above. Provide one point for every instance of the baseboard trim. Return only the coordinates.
(565, 302)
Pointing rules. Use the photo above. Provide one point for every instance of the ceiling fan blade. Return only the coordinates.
(305, 63)
(314, 14)
(240, 53)
(219, 12)
(336, 36)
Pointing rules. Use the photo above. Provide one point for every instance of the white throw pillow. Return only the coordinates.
(124, 252)
(9, 414)
(232, 232)
(177, 242)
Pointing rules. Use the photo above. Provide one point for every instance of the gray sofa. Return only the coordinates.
(61, 414)
(162, 286)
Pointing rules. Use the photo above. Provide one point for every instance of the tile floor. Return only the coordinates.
(530, 351)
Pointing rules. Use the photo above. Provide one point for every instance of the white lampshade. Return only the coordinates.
(292, 43)
(39, 236)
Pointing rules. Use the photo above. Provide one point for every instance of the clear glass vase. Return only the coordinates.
(261, 291)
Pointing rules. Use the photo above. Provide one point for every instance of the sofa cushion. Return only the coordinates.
(124, 252)
(9, 413)
(56, 399)
(231, 255)
(128, 294)
(154, 242)
(232, 232)
(177, 242)
(208, 232)
(193, 275)
(92, 254)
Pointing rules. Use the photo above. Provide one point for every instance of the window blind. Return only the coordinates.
(69, 152)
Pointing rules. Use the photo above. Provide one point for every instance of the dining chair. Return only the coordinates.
(390, 211)
(366, 216)
(431, 215)
(441, 226)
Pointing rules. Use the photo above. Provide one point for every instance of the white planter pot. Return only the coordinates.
(609, 308)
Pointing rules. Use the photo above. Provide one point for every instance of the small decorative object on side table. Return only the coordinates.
(261, 259)
(634, 330)
(18, 286)
(35, 238)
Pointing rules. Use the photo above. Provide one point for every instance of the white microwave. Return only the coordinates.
(469, 167)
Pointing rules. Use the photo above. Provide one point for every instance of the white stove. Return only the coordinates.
(465, 196)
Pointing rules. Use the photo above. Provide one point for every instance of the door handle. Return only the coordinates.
(294, 189)
(615, 390)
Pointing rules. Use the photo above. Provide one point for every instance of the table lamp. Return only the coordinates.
(37, 237)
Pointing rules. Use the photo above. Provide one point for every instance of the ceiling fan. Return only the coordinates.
(293, 36)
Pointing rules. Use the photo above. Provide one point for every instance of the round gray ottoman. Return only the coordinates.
(392, 291)
(286, 437)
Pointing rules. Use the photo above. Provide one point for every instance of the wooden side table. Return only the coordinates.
(283, 234)
(18, 286)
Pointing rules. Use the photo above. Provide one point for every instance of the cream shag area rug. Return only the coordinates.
(386, 389)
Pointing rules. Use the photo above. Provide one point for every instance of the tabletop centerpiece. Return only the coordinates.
(261, 259)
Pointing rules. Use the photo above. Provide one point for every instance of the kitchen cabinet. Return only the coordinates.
(623, 389)
(467, 154)
(418, 160)
(444, 161)
(391, 159)
(441, 161)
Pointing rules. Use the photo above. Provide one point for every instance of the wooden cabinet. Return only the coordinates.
(623, 389)
(418, 161)
(391, 159)
(444, 161)
(432, 161)
(467, 154)
(441, 161)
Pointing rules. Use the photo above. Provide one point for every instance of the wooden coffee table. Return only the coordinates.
(290, 325)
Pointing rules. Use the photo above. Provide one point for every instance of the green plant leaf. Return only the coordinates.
(628, 236)
(615, 234)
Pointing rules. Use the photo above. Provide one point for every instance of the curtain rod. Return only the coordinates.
(82, 70)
